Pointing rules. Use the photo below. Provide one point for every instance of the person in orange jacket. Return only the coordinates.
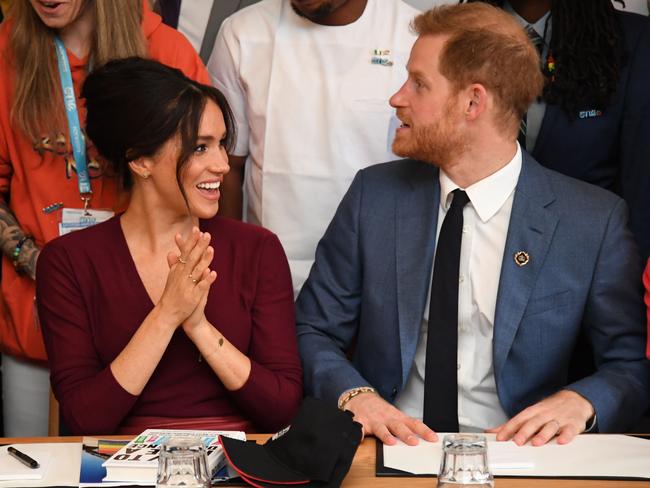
(46, 174)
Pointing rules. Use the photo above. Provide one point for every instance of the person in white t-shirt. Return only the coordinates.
(309, 83)
(199, 20)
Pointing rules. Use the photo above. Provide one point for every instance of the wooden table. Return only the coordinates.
(362, 473)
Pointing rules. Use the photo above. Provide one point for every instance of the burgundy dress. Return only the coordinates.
(91, 300)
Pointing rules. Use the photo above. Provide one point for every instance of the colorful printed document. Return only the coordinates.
(137, 461)
(93, 454)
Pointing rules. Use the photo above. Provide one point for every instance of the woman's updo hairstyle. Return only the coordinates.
(135, 105)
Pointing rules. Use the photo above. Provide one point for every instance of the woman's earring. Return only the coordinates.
(146, 175)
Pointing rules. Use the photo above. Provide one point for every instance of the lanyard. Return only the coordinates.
(77, 139)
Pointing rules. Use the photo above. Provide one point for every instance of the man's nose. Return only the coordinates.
(397, 99)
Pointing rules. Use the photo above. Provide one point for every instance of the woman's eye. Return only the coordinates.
(201, 148)
(222, 142)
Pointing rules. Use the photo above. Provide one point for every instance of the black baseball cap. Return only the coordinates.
(316, 449)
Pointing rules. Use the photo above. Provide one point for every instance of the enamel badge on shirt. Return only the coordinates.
(78, 218)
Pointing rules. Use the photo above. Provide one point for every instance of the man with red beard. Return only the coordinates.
(449, 289)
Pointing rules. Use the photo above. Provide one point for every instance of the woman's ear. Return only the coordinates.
(141, 167)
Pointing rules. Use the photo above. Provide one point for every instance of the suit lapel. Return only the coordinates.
(551, 113)
(531, 229)
(415, 227)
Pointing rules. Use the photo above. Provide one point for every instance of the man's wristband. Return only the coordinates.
(350, 394)
(18, 248)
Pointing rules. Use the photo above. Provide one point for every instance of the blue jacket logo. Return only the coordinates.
(587, 114)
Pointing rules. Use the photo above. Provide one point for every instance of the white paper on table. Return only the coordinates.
(11, 469)
(587, 456)
(64, 463)
(425, 457)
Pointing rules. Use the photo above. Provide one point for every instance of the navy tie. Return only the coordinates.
(441, 371)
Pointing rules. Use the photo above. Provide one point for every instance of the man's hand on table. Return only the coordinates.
(387, 423)
(564, 415)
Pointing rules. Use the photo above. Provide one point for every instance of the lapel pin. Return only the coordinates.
(521, 258)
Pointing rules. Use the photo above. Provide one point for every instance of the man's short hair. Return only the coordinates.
(486, 46)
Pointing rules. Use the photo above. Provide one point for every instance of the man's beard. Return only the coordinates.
(322, 11)
(439, 143)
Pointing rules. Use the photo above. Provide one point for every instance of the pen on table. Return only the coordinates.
(23, 458)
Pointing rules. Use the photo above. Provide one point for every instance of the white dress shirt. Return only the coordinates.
(485, 227)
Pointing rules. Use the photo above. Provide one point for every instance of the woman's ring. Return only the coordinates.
(182, 260)
(195, 281)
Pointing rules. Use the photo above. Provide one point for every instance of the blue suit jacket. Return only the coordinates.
(610, 147)
(369, 283)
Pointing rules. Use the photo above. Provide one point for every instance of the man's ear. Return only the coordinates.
(476, 101)
(141, 167)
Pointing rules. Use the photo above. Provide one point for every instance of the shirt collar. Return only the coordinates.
(488, 195)
(538, 26)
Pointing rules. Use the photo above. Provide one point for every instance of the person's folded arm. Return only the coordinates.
(266, 381)
(90, 398)
(11, 233)
(95, 397)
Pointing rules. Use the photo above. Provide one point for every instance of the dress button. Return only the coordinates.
(458, 365)
(461, 278)
(393, 393)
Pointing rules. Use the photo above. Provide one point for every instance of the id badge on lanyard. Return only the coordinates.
(73, 218)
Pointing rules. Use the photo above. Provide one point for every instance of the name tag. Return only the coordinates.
(77, 218)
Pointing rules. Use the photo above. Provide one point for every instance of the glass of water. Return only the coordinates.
(464, 462)
(183, 462)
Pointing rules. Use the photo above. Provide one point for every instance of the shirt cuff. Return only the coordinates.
(592, 425)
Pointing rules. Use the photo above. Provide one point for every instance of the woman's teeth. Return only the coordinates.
(209, 186)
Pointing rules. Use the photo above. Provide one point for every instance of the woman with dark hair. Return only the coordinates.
(593, 119)
(47, 170)
(139, 329)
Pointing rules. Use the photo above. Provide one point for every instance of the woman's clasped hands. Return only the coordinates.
(188, 282)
